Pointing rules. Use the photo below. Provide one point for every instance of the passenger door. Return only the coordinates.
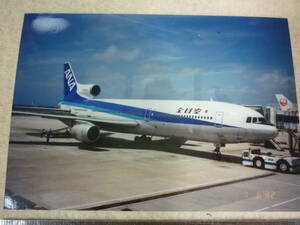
(219, 119)
(148, 114)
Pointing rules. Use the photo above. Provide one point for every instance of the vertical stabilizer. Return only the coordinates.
(70, 83)
(284, 103)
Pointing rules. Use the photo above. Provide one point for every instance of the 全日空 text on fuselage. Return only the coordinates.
(208, 121)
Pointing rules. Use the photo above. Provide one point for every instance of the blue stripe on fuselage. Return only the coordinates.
(133, 112)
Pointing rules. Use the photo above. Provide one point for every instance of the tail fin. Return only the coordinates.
(70, 83)
(284, 103)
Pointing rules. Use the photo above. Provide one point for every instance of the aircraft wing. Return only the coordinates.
(98, 121)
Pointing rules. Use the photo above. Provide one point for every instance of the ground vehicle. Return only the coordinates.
(258, 159)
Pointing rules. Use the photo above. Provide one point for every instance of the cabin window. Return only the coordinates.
(248, 120)
(211, 117)
(254, 120)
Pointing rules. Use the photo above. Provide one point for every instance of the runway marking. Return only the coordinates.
(278, 204)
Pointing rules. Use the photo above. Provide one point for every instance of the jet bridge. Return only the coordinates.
(294, 143)
(287, 140)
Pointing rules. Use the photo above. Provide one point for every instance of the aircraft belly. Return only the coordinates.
(236, 135)
(160, 128)
(167, 129)
(220, 134)
(204, 133)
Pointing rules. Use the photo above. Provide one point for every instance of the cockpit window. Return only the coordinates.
(262, 120)
(248, 120)
(259, 120)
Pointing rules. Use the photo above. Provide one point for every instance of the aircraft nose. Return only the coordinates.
(273, 131)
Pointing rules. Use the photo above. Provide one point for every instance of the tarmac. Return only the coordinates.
(119, 174)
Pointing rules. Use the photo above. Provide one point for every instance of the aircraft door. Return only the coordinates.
(219, 119)
(148, 114)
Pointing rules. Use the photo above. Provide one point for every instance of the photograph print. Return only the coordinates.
(154, 113)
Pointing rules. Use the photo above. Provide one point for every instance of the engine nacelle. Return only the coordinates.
(85, 133)
(89, 90)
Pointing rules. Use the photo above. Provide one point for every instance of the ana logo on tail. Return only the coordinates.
(70, 79)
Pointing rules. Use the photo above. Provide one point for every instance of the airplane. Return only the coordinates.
(208, 121)
(285, 104)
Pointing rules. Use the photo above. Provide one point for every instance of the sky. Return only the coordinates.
(242, 60)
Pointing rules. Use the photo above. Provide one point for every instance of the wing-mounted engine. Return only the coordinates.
(85, 133)
(89, 90)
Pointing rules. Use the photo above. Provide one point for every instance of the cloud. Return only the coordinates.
(273, 83)
(191, 71)
(166, 58)
(153, 69)
(275, 79)
(49, 25)
(157, 89)
(113, 53)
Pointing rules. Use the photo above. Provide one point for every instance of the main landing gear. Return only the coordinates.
(217, 150)
(142, 139)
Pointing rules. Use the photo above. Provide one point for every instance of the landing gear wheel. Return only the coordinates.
(218, 155)
(142, 139)
(148, 139)
(283, 167)
(258, 163)
(137, 139)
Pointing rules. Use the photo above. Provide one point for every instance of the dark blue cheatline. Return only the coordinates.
(132, 112)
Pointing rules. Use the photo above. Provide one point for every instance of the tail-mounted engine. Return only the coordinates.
(89, 90)
(85, 133)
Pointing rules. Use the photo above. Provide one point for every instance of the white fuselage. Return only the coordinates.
(207, 121)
